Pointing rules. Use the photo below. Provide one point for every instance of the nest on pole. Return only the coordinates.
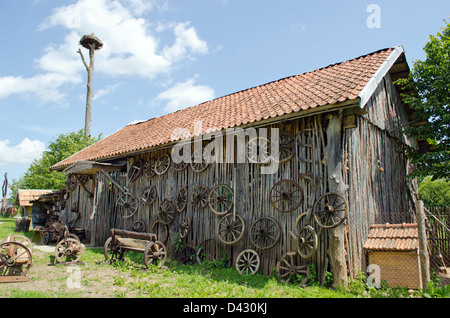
(87, 40)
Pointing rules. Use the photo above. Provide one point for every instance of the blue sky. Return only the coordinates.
(164, 55)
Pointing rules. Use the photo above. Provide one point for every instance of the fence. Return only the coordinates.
(438, 232)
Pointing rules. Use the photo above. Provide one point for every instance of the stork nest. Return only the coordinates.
(87, 40)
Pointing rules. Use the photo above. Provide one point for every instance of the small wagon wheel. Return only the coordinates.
(248, 262)
(265, 232)
(15, 259)
(149, 168)
(220, 199)
(231, 228)
(330, 210)
(149, 193)
(288, 268)
(307, 241)
(22, 239)
(185, 227)
(200, 196)
(198, 162)
(112, 251)
(138, 226)
(162, 164)
(166, 212)
(182, 199)
(71, 182)
(161, 230)
(69, 251)
(155, 253)
(258, 150)
(187, 254)
(286, 147)
(286, 196)
(129, 204)
(135, 170)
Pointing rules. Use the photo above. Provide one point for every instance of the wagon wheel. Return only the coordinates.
(162, 164)
(15, 259)
(185, 227)
(111, 251)
(129, 204)
(307, 241)
(258, 150)
(71, 182)
(166, 212)
(286, 196)
(200, 196)
(161, 230)
(286, 147)
(248, 262)
(149, 168)
(221, 199)
(182, 199)
(83, 178)
(231, 228)
(135, 171)
(69, 251)
(187, 254)
(155, 253)
(138, 226)
(205, 251)
(288, 268)
(149, 194)
(198, 162)
(265, 232)
(22, 239)
(330, 210)
(46, 237)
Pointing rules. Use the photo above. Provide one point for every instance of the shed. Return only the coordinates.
(26, 196)
(395, 249)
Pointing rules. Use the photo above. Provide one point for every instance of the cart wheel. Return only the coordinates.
(112, 252)
(129, 204)
(138, 226)
(286, 147)
(188, 254)
(200, 196)
(265, 233)
(135, 171)
(15, 259)
(166, 212)
(258, 150)
(220, 199)
(198, 162)
(307, 241)
(231, 228)
(185, 227)
(45, 237)
(155, 253)
(162, 164)
(161, 230)
(149, 194)
(69, 251)
(330, 210)
(22, 239)
(288, 268)
(286, 196)
(149, 168)
(248, 262)
(182, 199)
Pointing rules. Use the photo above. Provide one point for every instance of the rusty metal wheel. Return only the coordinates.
(286, 196)
(138, 226)
(15, 259)
(162, 164)
(149, 194)
(69, 251)
(198, 162)
(71, 182)
(161, 231)
(155, 254)
(231, 228)
(129, 204)
(135, 170)
(149, 168)
(289, 268)
(307, 241)
(330, 210)
(258, 150)
(182, 199)
(220, 199)
(265, 232)
(248, 262)
(200, 196)
(185, 227)
(166, 211)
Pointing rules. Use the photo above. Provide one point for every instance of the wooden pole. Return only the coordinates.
(423, 251)
(90, 70)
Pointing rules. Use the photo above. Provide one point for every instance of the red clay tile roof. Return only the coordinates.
(393, 237)
(326, 86)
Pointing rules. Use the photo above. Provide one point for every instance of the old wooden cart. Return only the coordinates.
(15, 258)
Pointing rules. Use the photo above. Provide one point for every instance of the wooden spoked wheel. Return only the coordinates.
(149, 168)
(71, 182)
(129, 204)
(286, 196)
(138, 226)
(265, 233)
(135, 170)
(258, 150)
(155, 254)
(166, 212)
(221, 199)
(149, 194)
(330, 210)
(182, 199)
(248, 262)
(185, 227)
(198, 162)
(15, 259)
(69, 251)
(230, 229)
(288, 268)
(22, 239)
(187, 254)
(162, 164)
(161, 230)
(112, 251)
(286, 147)
(200, 196)
(307, 241)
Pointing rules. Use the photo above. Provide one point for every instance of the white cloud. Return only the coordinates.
(23, 153)
(185, 94)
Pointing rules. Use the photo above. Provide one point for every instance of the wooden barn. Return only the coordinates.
(288, 173)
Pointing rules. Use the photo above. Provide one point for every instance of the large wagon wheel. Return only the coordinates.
(185, 227)
(149, 193)
(71, 182)
(138, 226)
(69, 251)
(248, 262)
(162, 164)
(231, 228)
(15, 259)
(182, 199)
(307, 241)
(149, 168)
(135, 170)
(289, 268)
(166, 212)
(265, 232)
(198, 162)
(129, 204)
(286, 196)
(112, 251)
(155, 254)
(200, 196)
(220, 199)
(161, 230)
(330, 210)
(286, 147)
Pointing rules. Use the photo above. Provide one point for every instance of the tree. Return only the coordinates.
(435, 192)
(430, 82)
(39, 176)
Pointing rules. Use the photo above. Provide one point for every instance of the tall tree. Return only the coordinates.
(430, 82)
